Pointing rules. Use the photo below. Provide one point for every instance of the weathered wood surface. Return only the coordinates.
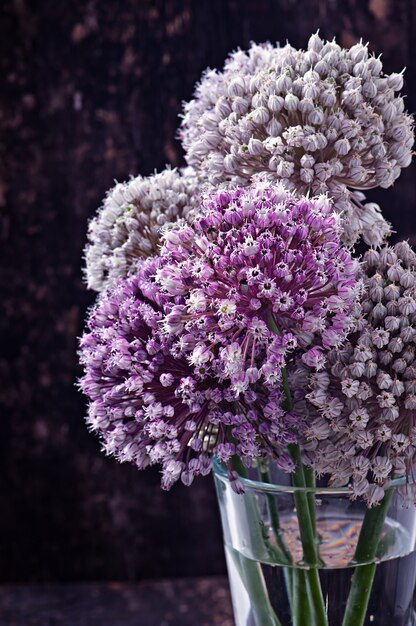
(92, 93)
(186, 602)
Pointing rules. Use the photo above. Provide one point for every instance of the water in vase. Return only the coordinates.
(391, 601)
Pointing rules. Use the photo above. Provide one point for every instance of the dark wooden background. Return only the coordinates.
(90, 92)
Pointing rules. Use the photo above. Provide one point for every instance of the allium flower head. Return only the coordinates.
(259, 272)
(323, 120)
(365, 430)
(128, 224)
(151, 406)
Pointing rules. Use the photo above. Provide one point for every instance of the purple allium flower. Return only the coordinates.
(259, 272)
(151, 405)
(362, 406)
(127, 225)
(323, 120)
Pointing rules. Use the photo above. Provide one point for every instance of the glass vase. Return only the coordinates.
(308, 556)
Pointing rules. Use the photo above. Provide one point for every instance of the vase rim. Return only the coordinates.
(257, 485)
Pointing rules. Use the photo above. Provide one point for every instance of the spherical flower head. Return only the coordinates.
(259, 273)
(323, 120)
(151, 406)
(364, 401)
(127, 225)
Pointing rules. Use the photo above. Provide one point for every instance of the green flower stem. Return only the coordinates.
(296, 580)
(305, 502)
(306, 515)
(308, 539)
(371, 529)
(310, 481)
(359, 596)
(306, 529)
(301, 609)
(305, 508)
(239, 466)
(303, 476)
(366, 550)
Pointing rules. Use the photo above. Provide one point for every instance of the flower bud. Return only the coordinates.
(315, 42)
(255, 146)
(240, 105)
(236, 87)
(291, 102)
(275, 103)
(261, 115)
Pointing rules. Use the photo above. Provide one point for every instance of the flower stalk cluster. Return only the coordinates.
(231, 284)
(232, 318)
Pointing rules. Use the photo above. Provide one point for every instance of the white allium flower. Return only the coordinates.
(322, 120)
(127, 225)
(372, 378)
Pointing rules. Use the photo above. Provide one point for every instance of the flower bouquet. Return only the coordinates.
(236, 328)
